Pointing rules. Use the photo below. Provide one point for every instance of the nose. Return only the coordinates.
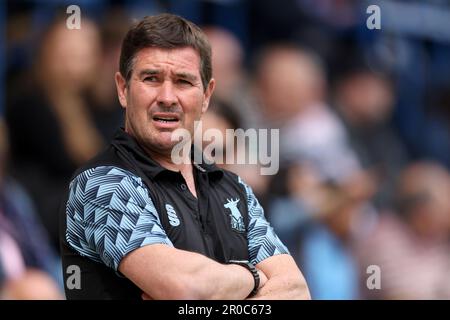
(166, 95)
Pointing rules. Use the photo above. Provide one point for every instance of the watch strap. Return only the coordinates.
(250, 267)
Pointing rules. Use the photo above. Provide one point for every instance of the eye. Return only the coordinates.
(184, 82)
(151, 79)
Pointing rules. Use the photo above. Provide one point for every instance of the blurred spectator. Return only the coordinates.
(416, 49)
(232, 85)
(325, 219)
(105, 109)
(292, 91)
(364, 100)
(26, 259)
(326, 187)
(227, 59)
(221, 116)
(413, 252)
(52, 130)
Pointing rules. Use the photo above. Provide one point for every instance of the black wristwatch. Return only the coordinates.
(250, 267)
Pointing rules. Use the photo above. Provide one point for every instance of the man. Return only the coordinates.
(137, 224)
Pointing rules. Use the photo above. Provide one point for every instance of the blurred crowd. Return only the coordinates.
(364, 120)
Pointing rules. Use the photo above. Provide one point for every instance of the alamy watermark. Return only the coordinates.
(74, 20)
(374, 20)
(373, 281)
(249, 146)
(73, 281)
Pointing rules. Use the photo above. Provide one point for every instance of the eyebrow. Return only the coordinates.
(187, 76)
(149, 72)
(183, 75)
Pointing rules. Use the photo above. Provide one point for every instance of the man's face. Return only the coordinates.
(165, 93)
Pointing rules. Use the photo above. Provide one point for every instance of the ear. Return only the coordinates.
(208, 93)
(122, 89)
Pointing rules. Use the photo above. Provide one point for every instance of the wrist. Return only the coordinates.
(253, 271)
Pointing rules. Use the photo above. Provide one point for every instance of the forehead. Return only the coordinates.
(186, 59)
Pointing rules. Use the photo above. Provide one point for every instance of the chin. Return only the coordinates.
(162, 145)
(160, 141)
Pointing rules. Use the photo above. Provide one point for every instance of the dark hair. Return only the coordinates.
(165, 31)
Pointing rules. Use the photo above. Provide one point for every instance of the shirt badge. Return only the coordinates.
(237, 221)
(172, 215)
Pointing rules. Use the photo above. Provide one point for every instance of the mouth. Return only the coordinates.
(166, 119)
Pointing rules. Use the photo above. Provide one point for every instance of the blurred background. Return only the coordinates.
(364, 119)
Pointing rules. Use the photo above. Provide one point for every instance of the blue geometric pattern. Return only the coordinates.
(262, 240)
(109, 214)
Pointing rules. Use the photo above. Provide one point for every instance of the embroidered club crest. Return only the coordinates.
(237, 221)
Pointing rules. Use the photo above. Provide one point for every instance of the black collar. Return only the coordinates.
(124, 142)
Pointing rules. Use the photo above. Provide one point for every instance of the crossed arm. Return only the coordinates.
(284, 279)
(163, 272)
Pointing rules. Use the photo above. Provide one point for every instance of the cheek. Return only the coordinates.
(191, 106)
(140, 99)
